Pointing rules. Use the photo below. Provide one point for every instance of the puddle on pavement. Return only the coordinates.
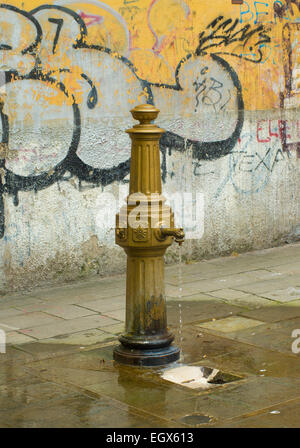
(198, 377)
(195, 419)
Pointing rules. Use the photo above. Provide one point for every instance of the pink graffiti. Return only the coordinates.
(107, 8)
(91, 19)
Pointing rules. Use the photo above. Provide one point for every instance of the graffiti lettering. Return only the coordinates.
(224, 32)
(249, 169)
(210, 91)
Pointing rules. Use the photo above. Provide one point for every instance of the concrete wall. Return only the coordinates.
(227, 81)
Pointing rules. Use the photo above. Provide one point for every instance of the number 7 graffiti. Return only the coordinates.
(59, 23)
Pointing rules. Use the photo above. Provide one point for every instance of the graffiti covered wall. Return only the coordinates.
(227, 82)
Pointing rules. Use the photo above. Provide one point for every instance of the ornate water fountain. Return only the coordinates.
(145, 229)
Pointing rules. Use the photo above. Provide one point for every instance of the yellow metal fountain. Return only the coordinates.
(145, 229)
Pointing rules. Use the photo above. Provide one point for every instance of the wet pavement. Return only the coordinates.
(238, 315)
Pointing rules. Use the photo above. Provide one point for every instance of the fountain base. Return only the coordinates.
(152, 357)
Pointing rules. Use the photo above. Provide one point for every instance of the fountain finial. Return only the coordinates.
(145, 113)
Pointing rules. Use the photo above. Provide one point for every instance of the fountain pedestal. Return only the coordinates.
(145, 229)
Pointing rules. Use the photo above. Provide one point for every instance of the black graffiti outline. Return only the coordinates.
(72, 163)
(92, 96)
(31, 49)
(15, 182)
(242, 35)
(5, 47)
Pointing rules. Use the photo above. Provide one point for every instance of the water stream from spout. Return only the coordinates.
(180, 300)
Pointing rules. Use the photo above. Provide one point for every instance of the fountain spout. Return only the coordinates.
(178, 234)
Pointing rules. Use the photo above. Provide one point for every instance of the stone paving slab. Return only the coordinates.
(197, 345)
(115, 329)
(190, 298)
(274, 313)
(205, 271)
(287, 268)
(116, 314)
(283, 415)
(238, 279)
(267, 286)
(82, 338)
(83, 292)
(82, 411)
(230, 324)
(36, 390)
(295, 303)
(58, 309)
(18, 301)
(256, 361)
(39, 350)
(288, 294)
(284, 326)
(13, 338)
(240, 298)
(198, 311)
(272, 340)
(28, 320)
(10, 312)
(68, 326)
(104, 305)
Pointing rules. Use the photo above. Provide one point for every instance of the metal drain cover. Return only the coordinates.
(195, 419)
(198, 377)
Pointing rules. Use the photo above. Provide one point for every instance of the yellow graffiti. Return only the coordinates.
(156, 34)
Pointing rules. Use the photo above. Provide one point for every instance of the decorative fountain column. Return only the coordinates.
(145, 229)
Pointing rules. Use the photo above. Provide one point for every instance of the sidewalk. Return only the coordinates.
(238, 314)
